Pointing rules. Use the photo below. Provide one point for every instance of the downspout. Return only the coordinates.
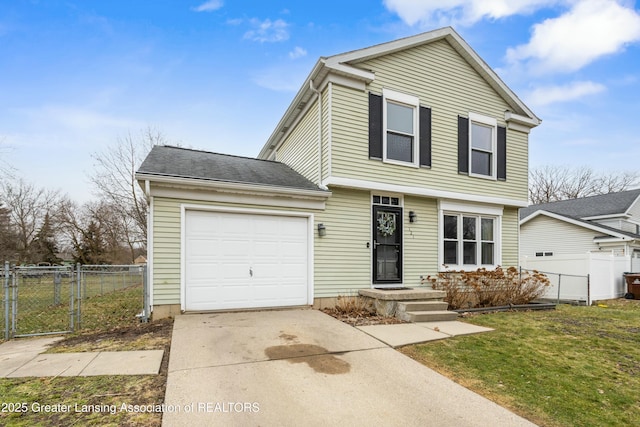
(317, 92)
(148, 294)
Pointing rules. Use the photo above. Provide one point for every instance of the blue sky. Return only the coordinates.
(77, 75)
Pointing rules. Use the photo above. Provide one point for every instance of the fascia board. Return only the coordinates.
(239, 187)
(610, 216)
(303, 94)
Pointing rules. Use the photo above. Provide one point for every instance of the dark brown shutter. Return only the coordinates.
(425, 136)
(463, 145)
(375, 126)
(502, 153)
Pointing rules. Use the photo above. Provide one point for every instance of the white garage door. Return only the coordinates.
(235, 260)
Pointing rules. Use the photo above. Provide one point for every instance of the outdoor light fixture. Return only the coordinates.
(412, 216)
(322, 230)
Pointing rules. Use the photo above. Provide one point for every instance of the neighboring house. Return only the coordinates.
(392, 162)
(598, 236)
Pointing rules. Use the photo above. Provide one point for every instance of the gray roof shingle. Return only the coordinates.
(204, 165)
(586, 207)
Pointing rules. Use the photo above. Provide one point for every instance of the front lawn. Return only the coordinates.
(577, 366)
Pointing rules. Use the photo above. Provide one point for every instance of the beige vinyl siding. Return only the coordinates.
(510, 225)
(326, 131)
(166, 251)
(420, 239)
(342, 259)
(300, 148)
(447, 84)
(544, 234)
(167, 241)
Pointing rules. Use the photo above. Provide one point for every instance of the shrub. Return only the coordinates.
(489, 288)
(354, 305)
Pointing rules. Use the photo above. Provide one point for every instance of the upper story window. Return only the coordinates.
(399, 129)
(482, 137)
(400, 119)
(482, 147)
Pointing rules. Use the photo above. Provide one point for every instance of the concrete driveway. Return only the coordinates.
(294, 367)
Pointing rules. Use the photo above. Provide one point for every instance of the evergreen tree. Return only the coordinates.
(44, 247)
(91, 248)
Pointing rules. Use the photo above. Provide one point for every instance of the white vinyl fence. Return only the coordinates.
(604, 274)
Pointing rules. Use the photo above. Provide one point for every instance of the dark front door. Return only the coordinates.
(387, 245)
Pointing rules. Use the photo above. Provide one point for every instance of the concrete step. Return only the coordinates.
(431, 316)
(422, 306)
(404, 294)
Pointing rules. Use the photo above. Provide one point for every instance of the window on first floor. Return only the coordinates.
(468, 240)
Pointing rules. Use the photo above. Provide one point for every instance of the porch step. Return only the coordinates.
(431, 316)
(422, 305)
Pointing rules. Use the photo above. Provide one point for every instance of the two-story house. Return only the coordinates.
(391, 163)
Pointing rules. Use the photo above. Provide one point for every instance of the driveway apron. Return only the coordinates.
(294, 367)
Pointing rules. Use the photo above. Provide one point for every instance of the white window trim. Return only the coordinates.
(409, 101)
(487, 121)
(470, 209)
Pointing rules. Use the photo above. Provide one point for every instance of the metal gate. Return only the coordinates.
(62, 299)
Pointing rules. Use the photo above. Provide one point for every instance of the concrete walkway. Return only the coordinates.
(294, 367)
(25, 357)
(415, 333)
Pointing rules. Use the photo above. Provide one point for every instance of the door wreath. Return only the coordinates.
(386, 223)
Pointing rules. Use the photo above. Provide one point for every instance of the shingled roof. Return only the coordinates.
(168, 161)
(588, 207)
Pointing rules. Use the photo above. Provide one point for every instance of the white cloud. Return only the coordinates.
(590, 30)
(267, 30)
(297, 52)
(209, 6)
(461, 12)
(569, 92)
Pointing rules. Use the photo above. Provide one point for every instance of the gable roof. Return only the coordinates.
(594, 226)
(588, 207)
(175, 162)
(342, 64)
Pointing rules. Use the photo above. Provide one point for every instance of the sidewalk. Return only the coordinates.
(25, 357)
(415, 333)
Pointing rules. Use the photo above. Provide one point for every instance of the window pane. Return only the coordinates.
(376, 199)
(481, 137)
(451, 253)
(399, 118)
(450, 227)
(469, 253)
(468, 228)
(481, 162)
(487, 229)
(399, 147)
(487, 253)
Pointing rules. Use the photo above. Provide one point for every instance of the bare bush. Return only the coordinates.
(489, 288)
(354, 305)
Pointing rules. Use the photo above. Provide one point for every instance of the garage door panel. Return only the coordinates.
(235, 260)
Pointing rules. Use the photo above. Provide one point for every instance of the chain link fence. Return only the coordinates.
(62, 299)
(568, 288)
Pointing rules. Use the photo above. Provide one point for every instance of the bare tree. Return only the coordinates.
(115, 183)
(553, 183)
(27, 208)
